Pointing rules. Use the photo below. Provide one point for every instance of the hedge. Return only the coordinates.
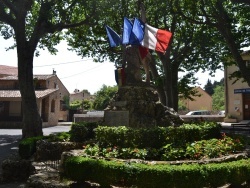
(118, 173)
(82, 131)
(155, 137)
(27, 146)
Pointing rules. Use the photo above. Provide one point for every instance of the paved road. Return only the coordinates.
(9, 139)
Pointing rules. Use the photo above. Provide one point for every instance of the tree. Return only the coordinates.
(192, 48)
(39, 24)
(76, 104)
(209, 87)
(219, 98)
(87, 104)
(232, 21)
(241, 1)
(104, 96)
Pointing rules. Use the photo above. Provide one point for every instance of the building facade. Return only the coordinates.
(50, 93)
(203, 101)
(80, 95)
(237, 95)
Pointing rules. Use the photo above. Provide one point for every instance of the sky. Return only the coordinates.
(75, 72)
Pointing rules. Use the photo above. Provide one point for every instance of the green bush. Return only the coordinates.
(203, 149)
(59, 137)
(27, 146)
(156, 137)
(158, 175)
(82, 131)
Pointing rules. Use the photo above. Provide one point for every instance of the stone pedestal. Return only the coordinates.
(116, 118)
(139, 106)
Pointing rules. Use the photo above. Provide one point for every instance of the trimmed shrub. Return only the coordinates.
(155, 137)
(119, 173)
(83, 131)
(27, 146)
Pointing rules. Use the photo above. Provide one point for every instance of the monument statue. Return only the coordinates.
(136, 104)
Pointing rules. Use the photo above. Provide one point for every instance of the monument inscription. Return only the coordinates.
(116, 118)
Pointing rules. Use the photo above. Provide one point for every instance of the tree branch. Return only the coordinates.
(4, 17)
(10, 5)
(241, 1)
(43, 26)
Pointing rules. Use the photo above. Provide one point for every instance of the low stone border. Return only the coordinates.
(227, 158)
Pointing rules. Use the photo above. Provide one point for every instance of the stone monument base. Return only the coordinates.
(139, 106)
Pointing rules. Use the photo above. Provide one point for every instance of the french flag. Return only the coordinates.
(148, 36)
(138, 33)
(156, 39)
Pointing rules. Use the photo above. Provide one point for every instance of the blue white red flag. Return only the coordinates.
(139, 33)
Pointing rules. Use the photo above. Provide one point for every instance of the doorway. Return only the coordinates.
(246, 106)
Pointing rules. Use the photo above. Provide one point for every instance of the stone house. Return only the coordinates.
(201, 102)
(237, 95)
(80, 95)
(50, 93)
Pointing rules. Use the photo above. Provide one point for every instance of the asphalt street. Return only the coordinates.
(9, 139)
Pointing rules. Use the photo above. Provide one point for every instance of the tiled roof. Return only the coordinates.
(39, 77)
(246, 52)
(8, 70)
(17, 94)
(9, 78)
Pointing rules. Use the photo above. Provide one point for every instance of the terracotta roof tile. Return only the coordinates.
(39, 77)
(17, 94)
(8, 70)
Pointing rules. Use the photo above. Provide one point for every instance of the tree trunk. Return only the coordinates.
(32, 122)
(175, 91)
(156, 76)
(168, 82)
(224, 28)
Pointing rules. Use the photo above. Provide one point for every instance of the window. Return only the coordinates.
(53, 105)
(63, 106)
(247, 63)
(1, 107)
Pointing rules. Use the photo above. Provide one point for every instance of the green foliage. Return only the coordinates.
(116, 152)
(82, 131)
(158, 175)
(193, 47)
(59, 137)
(209, 87)
(87, 104)
(76, 105)
(104, 96)
(155, 137)
(38, 25)
(66, 101)
(203, 149)
(181, 106)
(219, 98)
(27, 146)
(214, 148)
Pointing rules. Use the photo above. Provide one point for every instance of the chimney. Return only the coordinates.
(54, 72)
